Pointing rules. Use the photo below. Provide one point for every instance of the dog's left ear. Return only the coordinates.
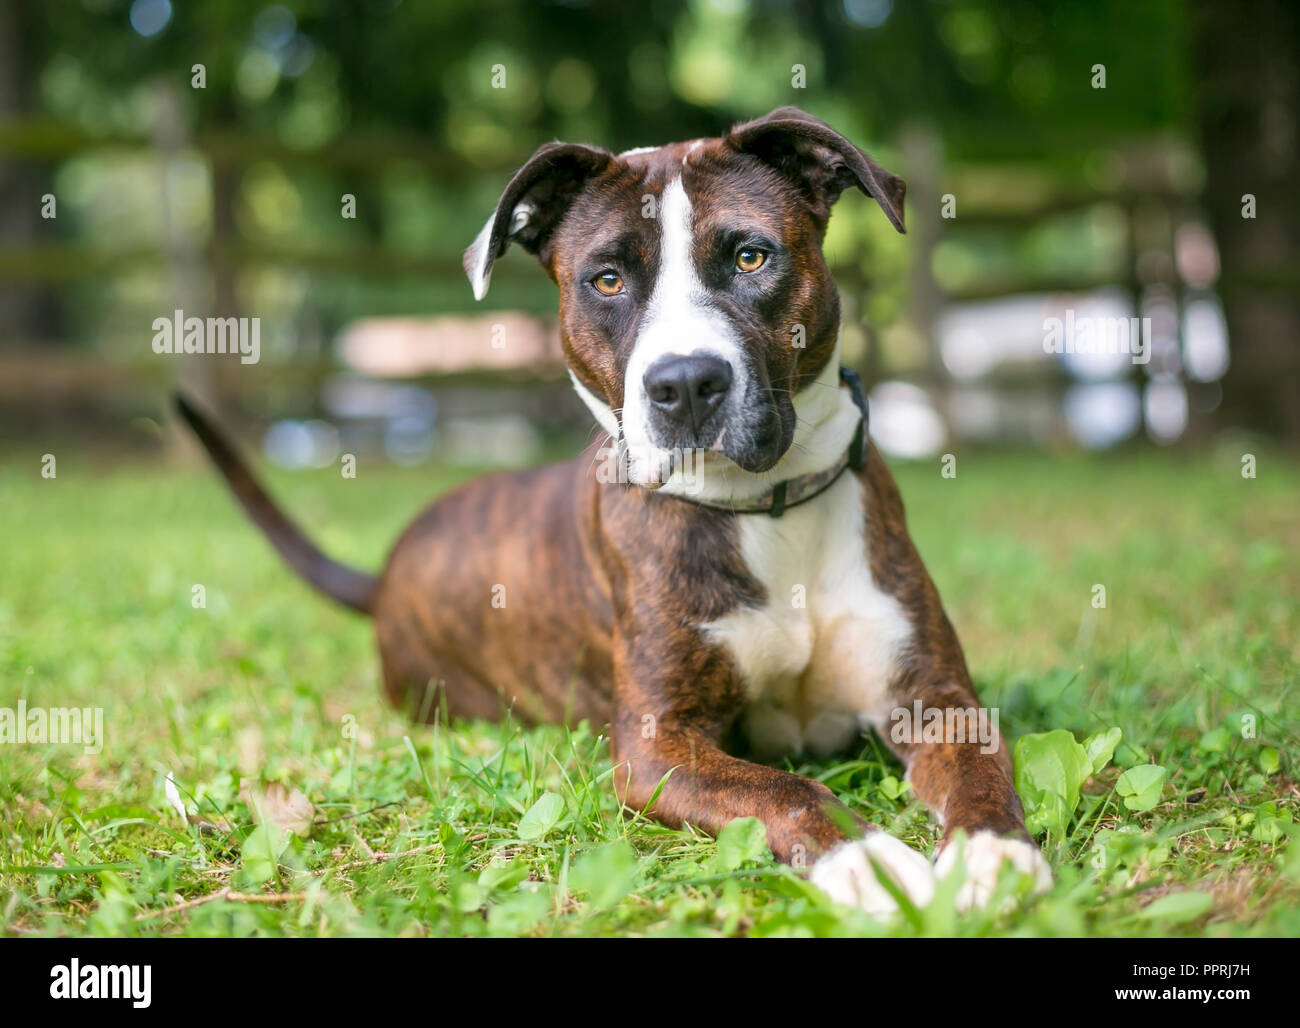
(820, 161)
(531, 207)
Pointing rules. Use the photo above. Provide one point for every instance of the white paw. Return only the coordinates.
(846, 874)
(984, 855)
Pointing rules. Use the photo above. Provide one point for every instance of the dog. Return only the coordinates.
(732, 564)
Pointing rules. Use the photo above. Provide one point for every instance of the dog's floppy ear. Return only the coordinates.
(531, 207)
(819, 160)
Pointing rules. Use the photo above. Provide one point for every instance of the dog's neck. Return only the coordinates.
(826, 421)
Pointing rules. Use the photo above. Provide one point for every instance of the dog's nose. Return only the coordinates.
(688, 389)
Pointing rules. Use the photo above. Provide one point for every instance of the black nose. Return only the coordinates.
(688, 389)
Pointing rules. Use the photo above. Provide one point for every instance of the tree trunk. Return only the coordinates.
(1248, 107)
(28, 312)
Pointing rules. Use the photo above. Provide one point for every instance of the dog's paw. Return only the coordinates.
(983, 857)
(847, 876)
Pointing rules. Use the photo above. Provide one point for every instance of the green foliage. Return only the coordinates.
(740, 842)
(1051, 768)
(1100, 747)
(542, 817)
(1140, 786)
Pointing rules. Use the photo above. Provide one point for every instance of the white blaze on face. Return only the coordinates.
(677, 321)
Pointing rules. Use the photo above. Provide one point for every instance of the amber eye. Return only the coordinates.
(750, 259)
(608, 283)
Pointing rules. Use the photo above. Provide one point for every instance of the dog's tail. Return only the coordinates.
(351, 588)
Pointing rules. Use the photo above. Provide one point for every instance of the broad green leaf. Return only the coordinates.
(542, 817)
(1049, 814)
(1100, 747)
(743, 840)
(1270, 823)
(1140, 786)
(892, 787)
(1050, 769)
(1269, 761)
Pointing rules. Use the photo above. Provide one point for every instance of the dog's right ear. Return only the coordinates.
(532, 206)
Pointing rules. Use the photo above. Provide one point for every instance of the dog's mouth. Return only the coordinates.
(768, 439)
(753, 442)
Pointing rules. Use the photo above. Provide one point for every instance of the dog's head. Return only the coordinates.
(695, 303)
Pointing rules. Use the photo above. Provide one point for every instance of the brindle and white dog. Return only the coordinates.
(748, 568)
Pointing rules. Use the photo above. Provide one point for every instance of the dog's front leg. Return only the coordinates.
(671, 708)
(670, 712)
(961, 770)
(707, 788)
(965, 781)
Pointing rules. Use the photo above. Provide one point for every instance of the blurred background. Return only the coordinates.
(321, 165)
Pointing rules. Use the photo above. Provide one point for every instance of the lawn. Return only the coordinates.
(485, 829)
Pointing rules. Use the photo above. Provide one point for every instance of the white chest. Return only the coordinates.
(818, 658)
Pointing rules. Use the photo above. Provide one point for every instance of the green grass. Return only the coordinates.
(478, 828)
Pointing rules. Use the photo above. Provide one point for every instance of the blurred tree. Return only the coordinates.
(27, 312)
(1248, 94)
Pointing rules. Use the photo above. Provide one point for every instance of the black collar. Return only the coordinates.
(794, 491)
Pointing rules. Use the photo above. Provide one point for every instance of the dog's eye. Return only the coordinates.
(609, 283)
(750, 259)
